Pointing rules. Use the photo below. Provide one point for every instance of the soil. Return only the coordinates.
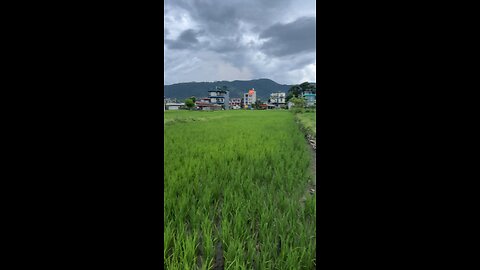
(219, 261)
(312, 185)
(200, 251)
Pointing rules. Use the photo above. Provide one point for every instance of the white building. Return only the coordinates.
(249, 98)
(277, 99)
(173, 106)
(235, 103)
(290, 105)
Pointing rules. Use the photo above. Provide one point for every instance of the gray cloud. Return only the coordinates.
(291, 38)
(221, 14)
(246, 38)
(165, 33)
(187, 39)
(228, 44)
(189, 36)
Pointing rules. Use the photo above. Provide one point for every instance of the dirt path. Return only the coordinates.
(313, 166)
(312, 185)
(219, 261)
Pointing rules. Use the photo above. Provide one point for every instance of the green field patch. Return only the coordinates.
(232, 183)
(174, 117)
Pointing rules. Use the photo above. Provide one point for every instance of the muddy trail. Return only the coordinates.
(219, 261)
(312, 184)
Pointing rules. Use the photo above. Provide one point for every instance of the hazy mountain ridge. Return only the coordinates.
(264, 88)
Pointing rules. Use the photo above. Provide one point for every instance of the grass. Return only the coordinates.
(309, 122)
(172, 117)
(236, 178)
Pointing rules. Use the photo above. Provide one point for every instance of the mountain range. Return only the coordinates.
(264, 88)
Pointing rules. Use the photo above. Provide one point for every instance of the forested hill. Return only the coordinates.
(264, 88)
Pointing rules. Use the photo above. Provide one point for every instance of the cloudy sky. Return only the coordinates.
(213, 40)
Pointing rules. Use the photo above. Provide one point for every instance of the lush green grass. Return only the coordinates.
(309, 122)
(236, 177)
(181, 116)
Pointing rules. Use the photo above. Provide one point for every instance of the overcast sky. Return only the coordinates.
(213, 40)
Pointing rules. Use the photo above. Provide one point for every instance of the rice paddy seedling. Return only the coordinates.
(233, 181)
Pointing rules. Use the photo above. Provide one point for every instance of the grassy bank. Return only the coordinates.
(308, 121)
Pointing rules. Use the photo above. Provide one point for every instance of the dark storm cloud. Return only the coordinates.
(189, 36)
(257, 38)
(187, 39)
(222, 20)
(291, 38)
(229, 12)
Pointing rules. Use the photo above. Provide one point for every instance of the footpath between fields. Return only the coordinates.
(309, 131)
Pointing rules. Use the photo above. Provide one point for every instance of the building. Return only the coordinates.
(290, 105)
(310, 98)
(208, 107)
(277, 100)
(235, 103)
(220, 97)
(203, 100)
(174, 106)
(200, 103)
(168, 101)
(249, 98)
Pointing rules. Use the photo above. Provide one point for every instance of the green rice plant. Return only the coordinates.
(237, 177)
(208, 239)
(188, 252)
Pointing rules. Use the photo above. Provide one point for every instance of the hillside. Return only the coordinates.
(264, 88)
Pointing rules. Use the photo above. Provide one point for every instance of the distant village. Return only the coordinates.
(219, 99)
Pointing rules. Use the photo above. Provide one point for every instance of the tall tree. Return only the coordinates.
(189, 103)
(298, 104)
(297, 90)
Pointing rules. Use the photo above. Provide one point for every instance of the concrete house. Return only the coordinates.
(201, 103)
(249, 98)
(174, 106)
(310, 98)
(277, 100)
(205, 104)
(220, 97)
(235, 103)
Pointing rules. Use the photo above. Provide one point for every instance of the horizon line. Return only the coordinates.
(234, 81)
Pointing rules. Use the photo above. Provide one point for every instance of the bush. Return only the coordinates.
(298, 110)
(298, 105)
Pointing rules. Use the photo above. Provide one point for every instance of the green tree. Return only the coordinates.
(306, 86)
(297, 90)
(298, 104)
(189, 103)
(224, 88)
(257, 104)
(294, 91)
